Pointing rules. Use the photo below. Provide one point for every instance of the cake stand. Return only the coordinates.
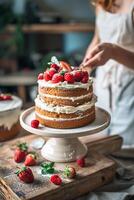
(64, 145)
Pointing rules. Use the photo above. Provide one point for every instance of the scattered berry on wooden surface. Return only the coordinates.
(81, 162)
(30, 159)
(25, 174)
(69, 172)
(56, 179)
(20, 152)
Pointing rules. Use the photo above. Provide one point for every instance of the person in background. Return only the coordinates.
(112, 53)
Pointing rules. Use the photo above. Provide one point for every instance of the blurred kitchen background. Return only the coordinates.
(31, 31)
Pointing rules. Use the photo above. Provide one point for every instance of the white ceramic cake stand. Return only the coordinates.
(64, 145)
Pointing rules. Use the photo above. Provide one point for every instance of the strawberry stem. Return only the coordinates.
(23, 146)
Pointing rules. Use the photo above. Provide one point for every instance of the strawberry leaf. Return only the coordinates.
(47, 168)
(23, 169)
(67, 171)
(23, 146)
(20, 170)
(51, 164)
(17, 172)
(43, 171)
(47, 165)
(47, 171)
(63, 72)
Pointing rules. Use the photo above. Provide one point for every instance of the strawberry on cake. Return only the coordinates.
(65, 96)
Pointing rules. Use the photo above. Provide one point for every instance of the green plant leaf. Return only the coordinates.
(47, 168)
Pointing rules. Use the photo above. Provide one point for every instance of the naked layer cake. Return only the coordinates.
(65, 96)
(9, 114)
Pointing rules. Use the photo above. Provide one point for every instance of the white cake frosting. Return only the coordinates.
(64, 109)
(9, 112)
(62, 119)
(65, 85)
(67, 98)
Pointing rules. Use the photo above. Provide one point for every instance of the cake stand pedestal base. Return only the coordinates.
(63, 149)
(64, 145)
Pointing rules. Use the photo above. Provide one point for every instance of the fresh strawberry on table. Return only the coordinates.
(20, 152)
(81, 162)
(56, 179)
(70, 172)
(25, 174)
(30, 159)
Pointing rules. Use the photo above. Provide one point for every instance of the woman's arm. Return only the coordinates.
(105, 51)
(93, 43)
(123, 56)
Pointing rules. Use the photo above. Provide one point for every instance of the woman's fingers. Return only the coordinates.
(98, 56)
(92, 53)
(95, 50)
(95, 61)
(85, 60)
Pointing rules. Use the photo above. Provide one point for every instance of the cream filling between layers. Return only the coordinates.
(62, 119)
(65, 85)
(68, 98)
(64, 109)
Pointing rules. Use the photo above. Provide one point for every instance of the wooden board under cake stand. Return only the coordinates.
(64, 145)
(98, 171)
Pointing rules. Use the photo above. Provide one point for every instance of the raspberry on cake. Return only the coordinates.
(65, 97)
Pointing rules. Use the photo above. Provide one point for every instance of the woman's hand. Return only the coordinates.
(98, 56)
